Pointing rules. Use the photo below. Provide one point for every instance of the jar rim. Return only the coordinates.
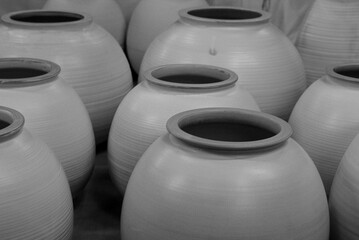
(220, 77)
(335, 69)
(80, 18)
(50, 71)
(15, 120)
(281, 129)
(258, 16)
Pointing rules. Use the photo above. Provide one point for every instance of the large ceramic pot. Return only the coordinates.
(91, 60)
(343, 201)
(225, 174)
(106, 13)
(53, 112)
(326, 119)
(35, 199)
(329, 35)
(267, 63)
(141, 117)
(287, 15)
(149, 19)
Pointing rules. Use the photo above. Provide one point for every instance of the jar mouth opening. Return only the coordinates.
(224, 15)
(347, 72)
(18, 72)
(45, 18)
(229, 129)
(190, 76)
(11, 123)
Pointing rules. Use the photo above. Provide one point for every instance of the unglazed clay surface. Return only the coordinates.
(141, 118)
(149, 19)
(267, 63)
(91, 60)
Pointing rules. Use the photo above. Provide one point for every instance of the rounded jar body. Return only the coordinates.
(141, 118)
(149, 19)
(91, 60)
(325, 120)
(106, 13)
(244, 41)
(35, 199)
(54, 113)
(344, 209)
(328, 36)
(213, 184)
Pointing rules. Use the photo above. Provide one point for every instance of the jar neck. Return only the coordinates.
(344, 72)
(11, 123)
(224, 16)
(190, 77)
(44, 19)
(24, 72)
(229, 129)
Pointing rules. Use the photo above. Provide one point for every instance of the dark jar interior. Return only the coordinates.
(229, 129)
(22, 72)
(190, 76)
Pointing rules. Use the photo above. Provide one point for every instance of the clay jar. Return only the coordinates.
(329, 36)
(141, 117)
(344, 209)
(53, 112)
(91, 60)
(35, 199)
(106, 13)
(326, 119)
(244, 41)
(225, 173)
(149, 19)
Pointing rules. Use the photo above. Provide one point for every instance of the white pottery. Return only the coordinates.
(244, 41)
(329, 36)
(344, 195)
(35, 198)
(326, 118)
(141, 118)
(149, 19)
(224, 173)
(53, 112)
(91, 60)
(106, 13)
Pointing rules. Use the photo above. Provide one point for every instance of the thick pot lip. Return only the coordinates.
(52, 71)
(332, 71)
(83, 19)
(281, 129)
(225, 76)
(15, 120)
(188, 16)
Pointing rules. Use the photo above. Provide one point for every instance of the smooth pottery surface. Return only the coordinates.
(91, 60)
(225, 174)
(267, 63)
(141, 117)
(106, 13)
(53, 112)
(149, 19)
(326, 119)
(343, 201)
(329, 36)
(127, 7)
(35, 199)
(16, 5)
